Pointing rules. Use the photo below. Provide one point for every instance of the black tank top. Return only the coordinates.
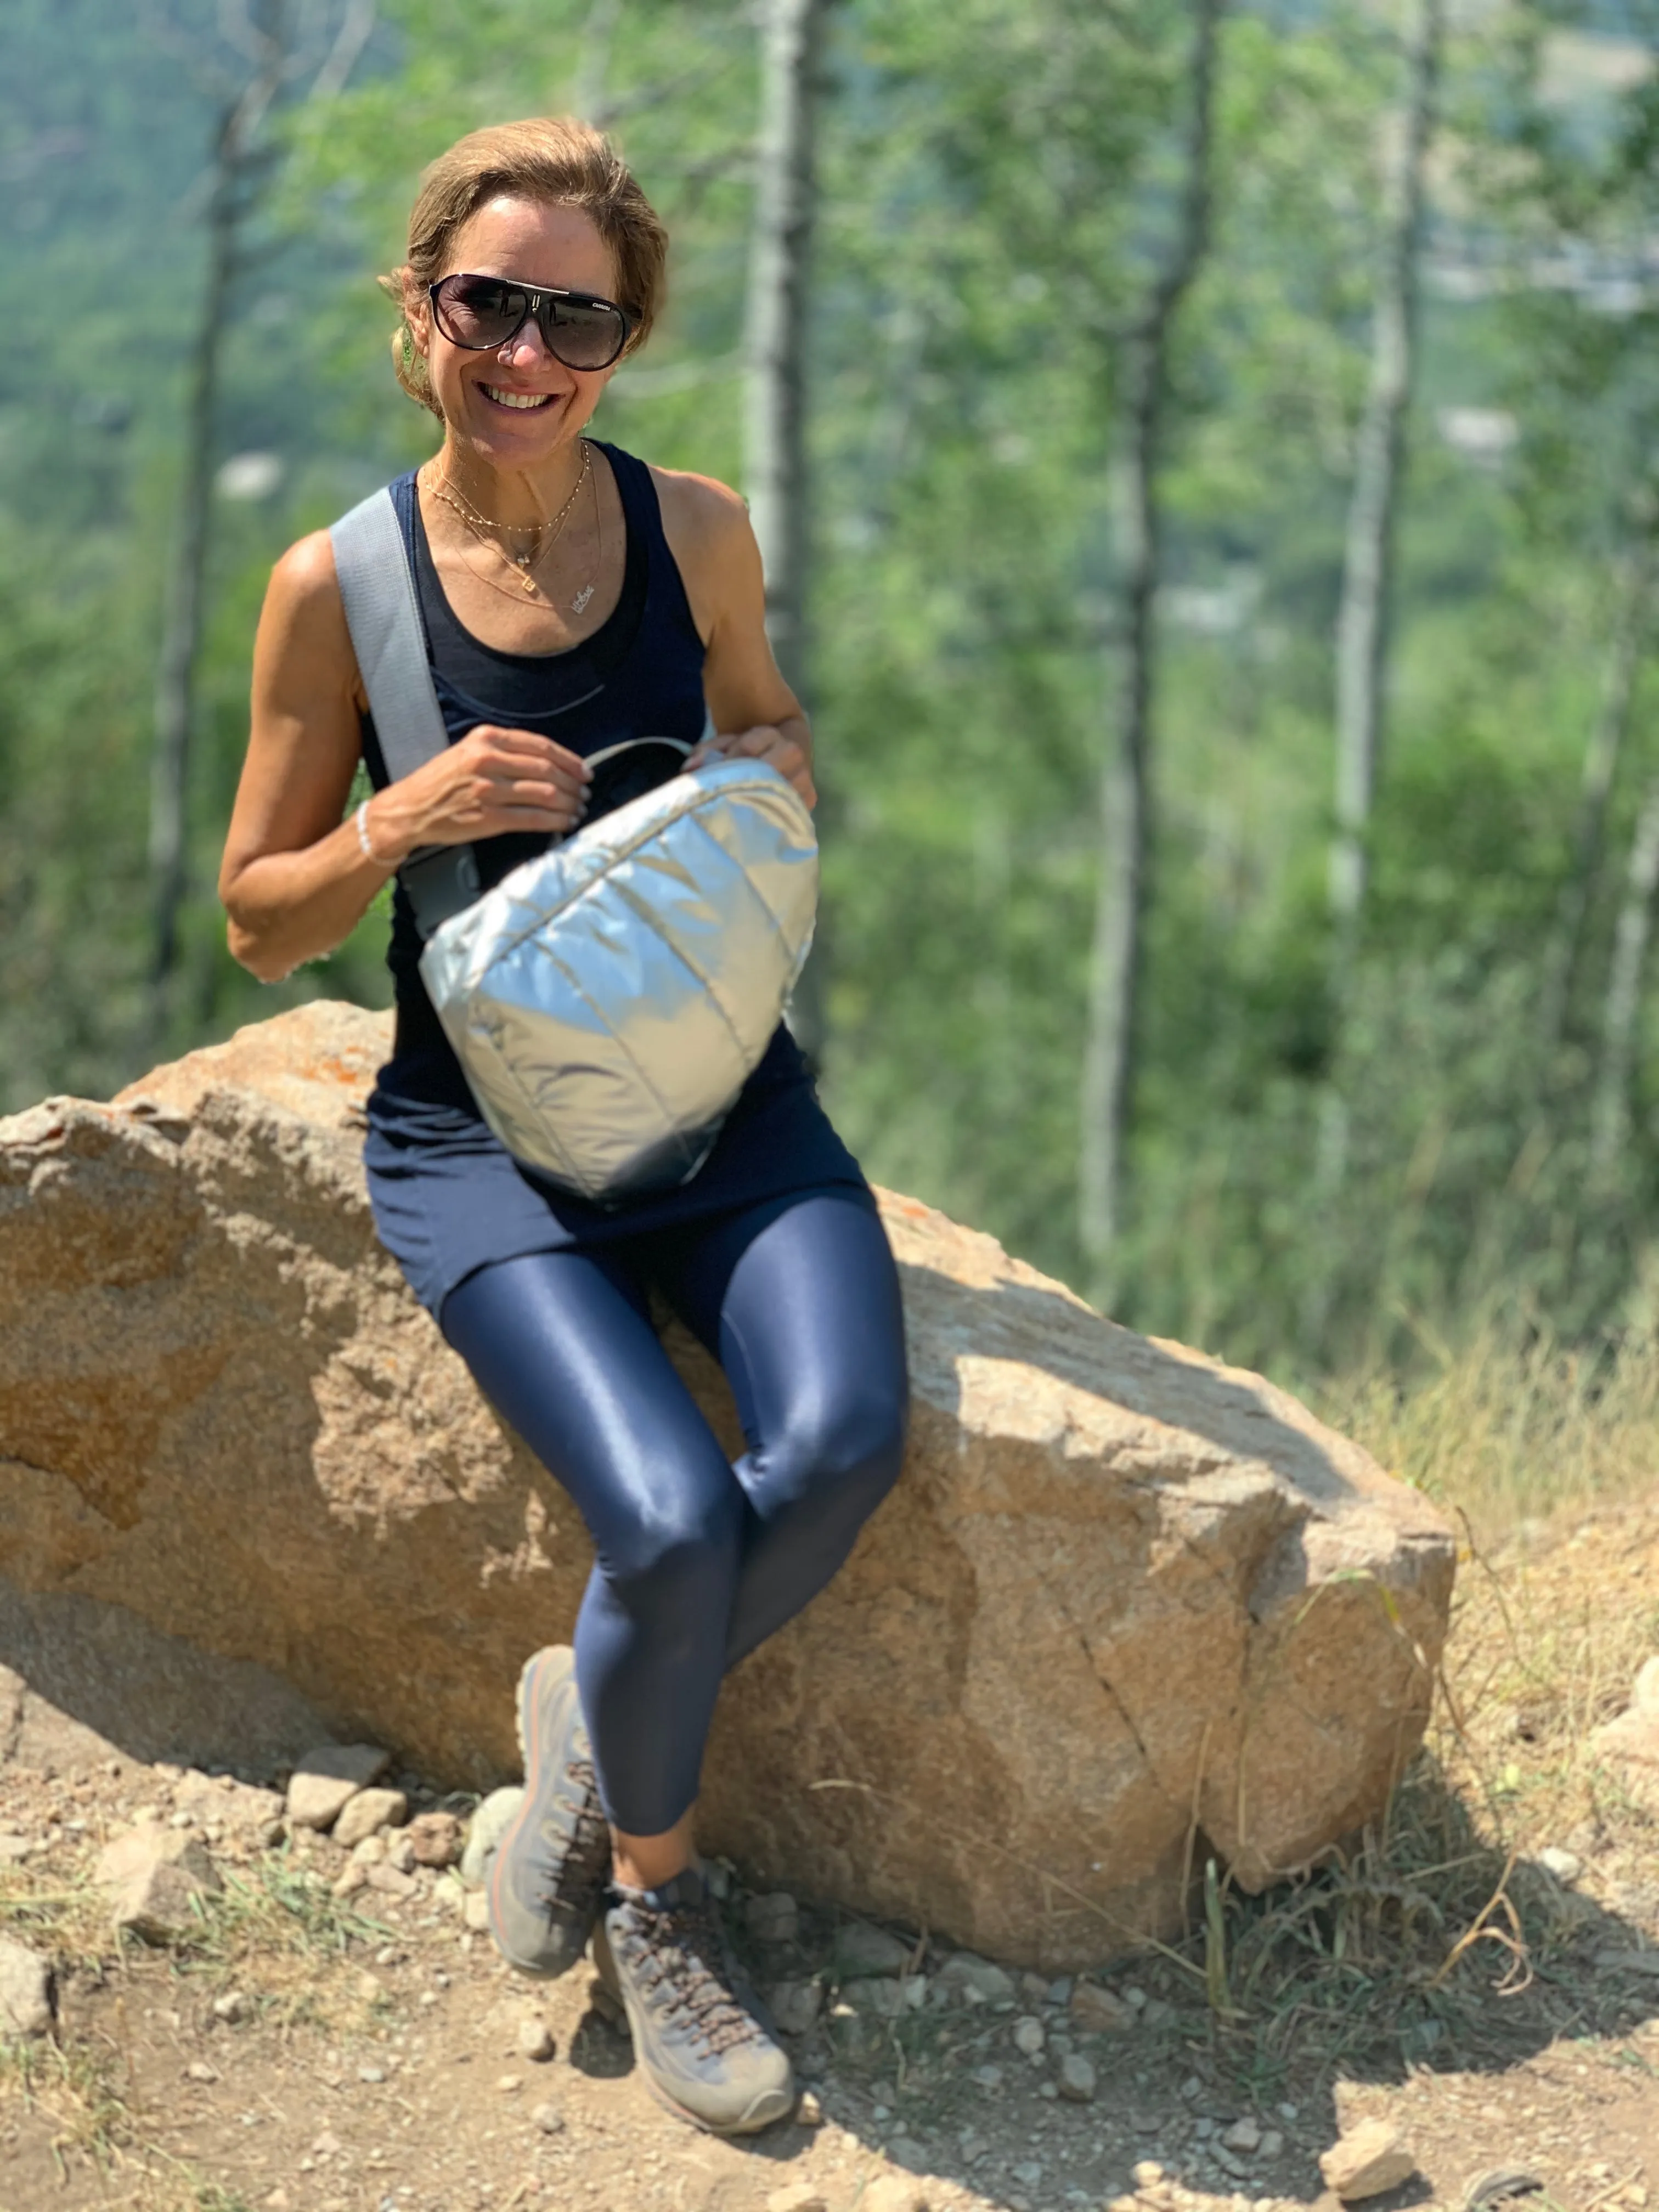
(639, 674)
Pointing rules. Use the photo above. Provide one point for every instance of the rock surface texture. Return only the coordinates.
(1119, 1585)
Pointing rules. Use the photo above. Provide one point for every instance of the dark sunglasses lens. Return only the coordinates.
(475, 313)
(583, 334)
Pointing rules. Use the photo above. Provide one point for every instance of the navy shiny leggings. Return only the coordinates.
(697, 1560)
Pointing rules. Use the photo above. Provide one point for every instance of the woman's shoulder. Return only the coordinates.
(702, 518)
(304, 612)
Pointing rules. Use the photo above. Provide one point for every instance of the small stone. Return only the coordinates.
(367, 1812)
(489, 1824)
(390, 1882)
(1077, 2078)
(1028, 2036)
(326, 1779)
(795, 2006)
(350, 1880)
(863, 1952)
(1095, 2011)
(1028, 2174)
(1565, 1866)
(1271, 2143)
(809, 2110)
(507, 2083)
(25, 1991)
(199, 2070)
(437, 1839)
(534, 2041)
(371, 2073)
(549, 2119)
(1365, 2161)
(774, 1918)
(368, 1851)
(231, 2008)
(1049, 2092)
(988, 2078)
(1243, 2134)
(475, 1911)
(967, 1975)
(906, 2151)
(894, 2192)
(400, 1853)
(278, 2201)
(1146, 2174)
(1033, 1989)
(876, 1995)
(153, 1876)
(1060, 1993)
(798, 2197)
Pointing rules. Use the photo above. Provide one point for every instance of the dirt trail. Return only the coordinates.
(374, 2062)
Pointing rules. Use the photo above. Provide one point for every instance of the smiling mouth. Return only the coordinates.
(520, 400)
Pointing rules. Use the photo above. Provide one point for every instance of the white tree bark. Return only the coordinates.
(1379, 460)
(774, 420)
(276, 46)
(1610, 1108)
(1109, 1056)
(181, 635)
(1601, 758)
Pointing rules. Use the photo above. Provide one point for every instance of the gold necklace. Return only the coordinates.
(486, 527)
(480, 529)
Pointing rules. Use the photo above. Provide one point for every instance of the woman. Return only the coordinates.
(572, 597)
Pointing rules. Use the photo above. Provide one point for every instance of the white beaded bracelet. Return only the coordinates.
(362, 819)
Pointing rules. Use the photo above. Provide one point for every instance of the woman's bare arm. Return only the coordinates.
(758, 716)
(295, 881)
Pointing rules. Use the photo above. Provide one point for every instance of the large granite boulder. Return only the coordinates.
(1126, 1607)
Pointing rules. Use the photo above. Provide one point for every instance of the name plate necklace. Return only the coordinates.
(547, 534)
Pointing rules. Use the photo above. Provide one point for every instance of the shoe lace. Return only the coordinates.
(579, 1860)
(685, 1958)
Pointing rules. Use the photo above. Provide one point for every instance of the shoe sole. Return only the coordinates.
(525, 1723)
(776, 2105)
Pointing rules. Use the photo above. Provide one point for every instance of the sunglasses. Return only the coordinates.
(481, 313)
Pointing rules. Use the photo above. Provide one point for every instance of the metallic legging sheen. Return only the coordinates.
(697, 1560)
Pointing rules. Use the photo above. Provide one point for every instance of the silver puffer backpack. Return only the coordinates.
(609, 1000)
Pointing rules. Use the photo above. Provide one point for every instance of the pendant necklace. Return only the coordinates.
(487, 530)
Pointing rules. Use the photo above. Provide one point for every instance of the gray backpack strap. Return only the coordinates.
(383, 615)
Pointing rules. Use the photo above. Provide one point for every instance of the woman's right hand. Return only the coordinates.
(490, 782)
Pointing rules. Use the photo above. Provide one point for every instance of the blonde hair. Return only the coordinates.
(558, 160)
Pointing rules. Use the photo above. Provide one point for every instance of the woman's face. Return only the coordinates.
(530, 243)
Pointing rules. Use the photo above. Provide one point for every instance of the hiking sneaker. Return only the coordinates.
(552, 1865)
(702, 2052)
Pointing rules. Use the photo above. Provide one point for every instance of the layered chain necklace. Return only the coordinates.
(546, 535)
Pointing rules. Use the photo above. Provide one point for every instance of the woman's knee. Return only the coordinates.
(843, 1452)
(676, 1554)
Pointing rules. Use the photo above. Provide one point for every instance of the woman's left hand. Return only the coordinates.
(778, 744)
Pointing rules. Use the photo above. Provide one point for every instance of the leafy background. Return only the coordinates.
(994, 179)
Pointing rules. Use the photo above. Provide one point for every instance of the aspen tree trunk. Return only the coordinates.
(1362, 625)
(231, 189)
(1601, 758)
(593, 60)
(1124, 804)
(774, 420)
(175, 682)
(1367, 569)
(1610, 1108)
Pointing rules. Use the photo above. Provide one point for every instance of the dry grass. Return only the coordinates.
(1439, 1939)
(1509, 1433)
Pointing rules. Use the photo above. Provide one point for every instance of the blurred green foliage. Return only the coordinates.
(993, 174)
